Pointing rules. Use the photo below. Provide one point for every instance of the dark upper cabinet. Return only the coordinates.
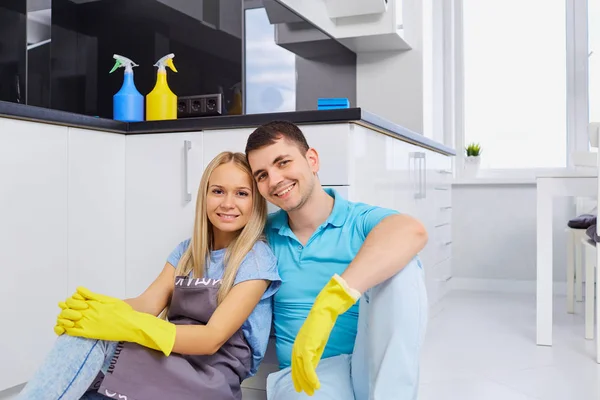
(13, 57)
(58, 53)
(204, 35)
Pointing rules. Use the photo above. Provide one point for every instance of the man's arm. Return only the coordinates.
(387, 249)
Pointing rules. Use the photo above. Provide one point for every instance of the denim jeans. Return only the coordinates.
(385, 363)
(69, 370)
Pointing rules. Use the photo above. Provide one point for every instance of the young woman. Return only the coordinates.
(215, 291)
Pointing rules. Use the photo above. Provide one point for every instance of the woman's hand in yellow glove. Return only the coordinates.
(107, 318)
(335, 299)
(75, 302)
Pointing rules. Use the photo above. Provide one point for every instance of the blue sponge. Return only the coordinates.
(332, 103)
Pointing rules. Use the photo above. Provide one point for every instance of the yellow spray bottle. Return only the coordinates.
(161, 102)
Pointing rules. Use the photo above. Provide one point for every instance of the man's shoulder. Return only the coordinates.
(276, 219)
(358, 208)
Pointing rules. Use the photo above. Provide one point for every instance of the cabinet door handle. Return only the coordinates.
(446, 208)
(424, 172)
(187, 146)
(448, 243)
(416, 175)
(445, 171)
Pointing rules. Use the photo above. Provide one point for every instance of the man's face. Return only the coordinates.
(285, 176)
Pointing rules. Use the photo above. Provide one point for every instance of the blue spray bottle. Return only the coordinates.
(128, 103)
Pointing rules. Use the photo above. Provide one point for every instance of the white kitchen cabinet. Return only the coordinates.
(371, 167)
(96, 199)
(33, 242)
(435, 210)
(330, 141)
(361, 33)
(218, 140)
(104, 210)
(162, 175)
(392, 173)
(334, 148)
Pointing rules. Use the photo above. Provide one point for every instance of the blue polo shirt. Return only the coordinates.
(305, 270)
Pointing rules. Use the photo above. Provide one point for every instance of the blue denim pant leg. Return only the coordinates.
(69, 369)
(391, 328)
(334, 377)
(385, 362)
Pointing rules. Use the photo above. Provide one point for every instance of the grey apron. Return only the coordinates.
(139, 373)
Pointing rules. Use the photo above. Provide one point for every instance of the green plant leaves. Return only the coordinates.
(473, 150)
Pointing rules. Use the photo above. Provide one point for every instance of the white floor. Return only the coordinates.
(481, 346)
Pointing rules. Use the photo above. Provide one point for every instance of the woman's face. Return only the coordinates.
(228, 201)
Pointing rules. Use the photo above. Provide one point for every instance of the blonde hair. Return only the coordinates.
(197, 255)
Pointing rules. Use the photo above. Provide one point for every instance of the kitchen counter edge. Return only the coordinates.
(355, 115)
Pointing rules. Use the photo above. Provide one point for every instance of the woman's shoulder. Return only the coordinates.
(259, 263)
(178, 251)
(261, 251)
(184, 244)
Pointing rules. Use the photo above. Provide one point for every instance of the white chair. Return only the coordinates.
(592, 294)
(575, 253)
(574, 267)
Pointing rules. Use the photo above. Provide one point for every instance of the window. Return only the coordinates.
(515, 97)
(593, 17)
(270, 69)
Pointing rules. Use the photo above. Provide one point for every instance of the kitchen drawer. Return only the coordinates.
(441, 240)
(443, 275)
(442, 215)
(443, 270)
(442, 233)
(441, 251)
(442, 176)
(442, 194)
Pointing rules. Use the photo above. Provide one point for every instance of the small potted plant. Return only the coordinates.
(472, 159)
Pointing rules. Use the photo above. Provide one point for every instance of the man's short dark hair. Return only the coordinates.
(267, 134)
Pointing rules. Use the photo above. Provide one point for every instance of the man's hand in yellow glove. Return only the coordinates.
(335, 299)
(109, 318)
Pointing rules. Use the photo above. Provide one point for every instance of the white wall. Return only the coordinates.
(390, 84)
(494, 233)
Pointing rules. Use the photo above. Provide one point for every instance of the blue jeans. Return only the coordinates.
(69, 369)
(385, 363)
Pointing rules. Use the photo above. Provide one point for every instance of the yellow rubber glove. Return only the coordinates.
(109, 318)
(76, 302)
(333, 300)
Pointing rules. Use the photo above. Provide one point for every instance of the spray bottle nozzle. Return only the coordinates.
(123, 62)
(237, 87)
(166, 61)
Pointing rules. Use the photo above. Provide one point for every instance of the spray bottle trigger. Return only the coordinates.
(171, 65)
(115, 67)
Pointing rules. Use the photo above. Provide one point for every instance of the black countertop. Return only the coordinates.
(356, 115)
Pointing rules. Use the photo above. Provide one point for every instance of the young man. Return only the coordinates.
(331, 253)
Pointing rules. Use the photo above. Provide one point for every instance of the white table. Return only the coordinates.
(565, 183)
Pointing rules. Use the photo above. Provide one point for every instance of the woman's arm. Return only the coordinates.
(156, 297)
(226, 320)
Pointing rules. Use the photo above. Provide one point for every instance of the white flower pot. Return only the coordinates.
(471, 167)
